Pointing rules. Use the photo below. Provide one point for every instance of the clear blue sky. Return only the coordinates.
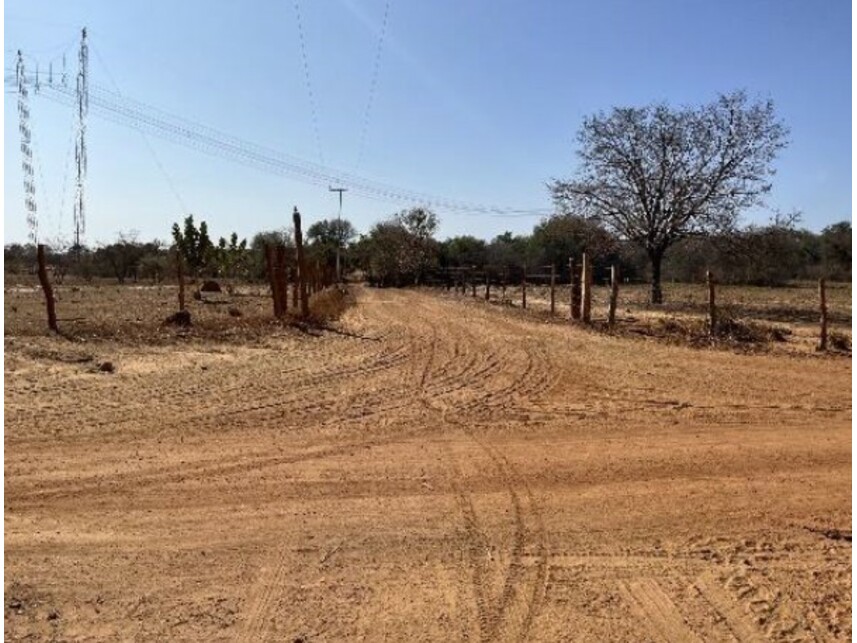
(478, 100)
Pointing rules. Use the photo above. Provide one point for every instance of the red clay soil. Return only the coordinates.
(436, 471)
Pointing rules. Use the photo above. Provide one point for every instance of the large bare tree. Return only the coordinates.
(657, 174)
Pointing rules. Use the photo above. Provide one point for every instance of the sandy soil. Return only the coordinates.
(441, 470)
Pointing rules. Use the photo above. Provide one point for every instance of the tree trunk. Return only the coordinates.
(46, 287)
(657, 295)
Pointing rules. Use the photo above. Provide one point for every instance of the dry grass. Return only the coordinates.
(751, 318)
(136, 313)
(729, 332)
(839, 342)
(329, 304)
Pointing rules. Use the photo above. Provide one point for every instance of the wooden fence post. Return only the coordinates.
(295, 288)
(302, 269)
(487, 288)
(46, 287)
(282, 279)
(574, 273)
(473, 287)
(272, 279)
(180, 277)
(822, 303)
(586, 290)
(553, 289)
(524, 289)
(712, 304)
(614, 296)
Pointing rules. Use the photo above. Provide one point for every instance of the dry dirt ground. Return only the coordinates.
(439, 469)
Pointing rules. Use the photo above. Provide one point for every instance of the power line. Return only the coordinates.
(373, 84)
(312, 105)
(146, 140)
(137, 115)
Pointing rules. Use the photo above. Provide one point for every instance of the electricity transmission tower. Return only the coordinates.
(338, 229)
(82, 98)
(26, 149)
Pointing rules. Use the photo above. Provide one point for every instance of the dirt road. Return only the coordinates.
(442, 470)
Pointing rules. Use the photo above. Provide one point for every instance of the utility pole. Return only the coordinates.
(338, 230)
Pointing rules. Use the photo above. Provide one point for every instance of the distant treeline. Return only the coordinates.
(398, 252)
(403, 250)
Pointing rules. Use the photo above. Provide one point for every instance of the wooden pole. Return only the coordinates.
(180, 277)
(487, 288)
(295, 286)
(586, 290)
(822, 303)
(302, 268)
(46, 287)
(712, 304)
(272, 279)
(574, 271)
(524, 289)
(614, 296)
(473, 287)
(282, 279)
(553, 289)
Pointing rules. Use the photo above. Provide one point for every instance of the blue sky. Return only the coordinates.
(478, 101)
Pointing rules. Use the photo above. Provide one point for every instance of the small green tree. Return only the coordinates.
(561, 236)
(385, 254)
(463, 251)
(193, 244)
(326, 236)
(421, 225)
(231, 258)
(835, 241)
(256, 263)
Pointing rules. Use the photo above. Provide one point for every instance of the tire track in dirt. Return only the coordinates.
(510, 614)
(713, 593)
(516, 609)
(658, 611)
(110, 485)
(383, 399)
(268, 397)
(273, 392)
(265, 597)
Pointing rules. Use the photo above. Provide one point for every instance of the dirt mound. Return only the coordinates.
(210, 285)
(181, 318)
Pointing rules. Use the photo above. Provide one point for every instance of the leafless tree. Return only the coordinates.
(656, 174)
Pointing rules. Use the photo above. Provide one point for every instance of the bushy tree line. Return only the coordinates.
(129, 259)
(393, 254)
(403, 250)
